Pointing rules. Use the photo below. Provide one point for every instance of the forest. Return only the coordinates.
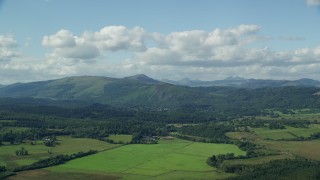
(254, 125)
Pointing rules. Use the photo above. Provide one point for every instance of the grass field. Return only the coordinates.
(288, 133)
(242, 135)
(67, 145)
(120, 138)
(170, 159)
(54, 175)
(13, 129)
(257, 160)
(308, 149)
(7, 121)
(300, 114)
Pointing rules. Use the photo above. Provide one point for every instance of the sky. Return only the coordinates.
(164, 39)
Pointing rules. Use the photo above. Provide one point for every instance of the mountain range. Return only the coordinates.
(235, 81)
(142, 91)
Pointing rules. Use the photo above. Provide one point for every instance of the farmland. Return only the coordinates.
(168, 159)
(307, 149)
(67, 145)
(146, 143)
(287, 133)
(120, 138)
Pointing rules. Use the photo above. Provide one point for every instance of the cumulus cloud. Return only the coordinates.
(200, 48)
(313, 2)
(6, 54)
(7, 41)
(61, 39)
(114, 38)
(207, 55)
(219, 48)
(7, 48)
(90, 45)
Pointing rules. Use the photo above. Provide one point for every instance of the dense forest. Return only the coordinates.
(202, 114)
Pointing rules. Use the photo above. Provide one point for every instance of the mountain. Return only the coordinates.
(141, 92)
(142, 78)
(134, 90)
(239, 82)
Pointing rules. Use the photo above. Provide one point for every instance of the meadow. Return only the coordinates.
(170, 159)
(307, 149)
(275, 134)
(287, 133)
(67, 145)
(120, 138)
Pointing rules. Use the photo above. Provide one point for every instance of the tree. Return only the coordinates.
(22, 152)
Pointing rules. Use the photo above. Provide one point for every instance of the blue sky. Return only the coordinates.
(173, 39)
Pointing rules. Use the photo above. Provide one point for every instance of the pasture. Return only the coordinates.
(307, 149)
(120, 138)
(67, 145)
(170, 159)
(257, 160)
(300, 114)
(288, 133)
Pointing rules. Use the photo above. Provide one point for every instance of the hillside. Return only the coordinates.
(247, 83)
(142, 91)
(139, 89)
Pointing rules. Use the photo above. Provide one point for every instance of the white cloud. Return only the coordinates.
(313, 2)
(201, 48)
(114, 38)
(81, 51)
(7, 48)
(61, 39)
(90, 45)
(245, 29)
(7, 41)
(206, 55)
(6, 54)
(218, 48)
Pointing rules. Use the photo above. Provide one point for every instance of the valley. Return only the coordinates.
(140, 128)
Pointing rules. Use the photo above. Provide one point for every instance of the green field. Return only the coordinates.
(242, 135)
(7, 121)
(168, 159)
(67, 145)
(13, 129)
(299, 114)
(288, 133)
(120, 138)
(308, 149)
(257, 160)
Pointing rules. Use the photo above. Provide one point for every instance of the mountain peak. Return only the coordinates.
(142, 78)
(234, 78)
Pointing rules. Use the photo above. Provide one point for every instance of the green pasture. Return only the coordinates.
(242, 135)
(13, 129)
(288, 133)
(173, 157)
(53, 175)
(257, 160)
(308, 149)
(67, 145)
(124, 138)
(7, 121)
(300, 114)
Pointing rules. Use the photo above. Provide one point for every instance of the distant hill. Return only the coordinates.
(134, 90)
(246, 83)
(142, 78)
(144, 92)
